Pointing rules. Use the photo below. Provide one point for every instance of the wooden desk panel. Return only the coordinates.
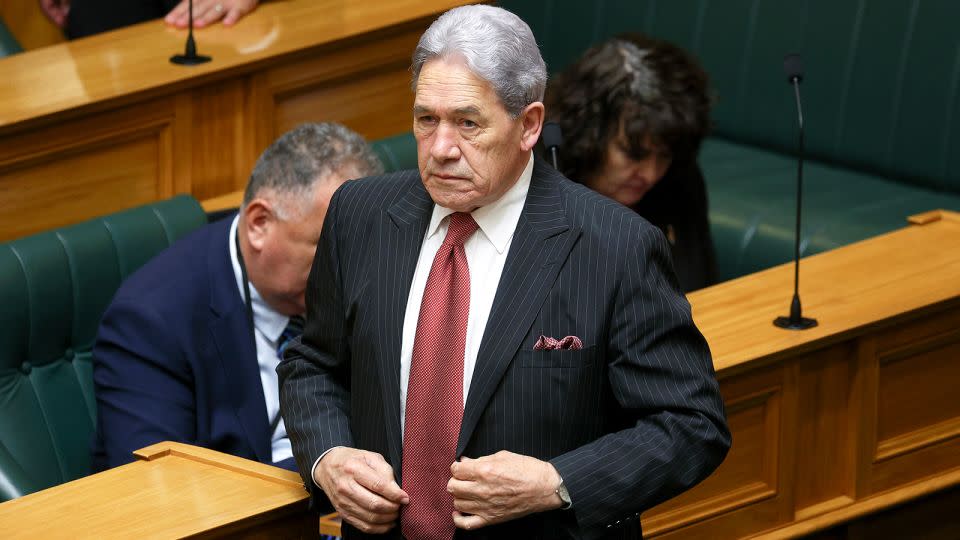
(147, 129)
(867, 407)
(755, 478)
(62, 174)
(364, 84)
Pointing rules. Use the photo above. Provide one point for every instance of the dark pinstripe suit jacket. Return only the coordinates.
(633, 418)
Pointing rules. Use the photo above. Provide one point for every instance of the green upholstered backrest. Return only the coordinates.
(398, 152)
(882, 86)
(54, 287)
(8, 45)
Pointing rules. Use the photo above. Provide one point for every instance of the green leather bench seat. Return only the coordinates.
(752, 205)
(54, 287)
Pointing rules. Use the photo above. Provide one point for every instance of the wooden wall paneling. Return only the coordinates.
(75, 170)
(826, 468)
(365, 86)
(376, 104)
(222, 136)
(750, 491)
(918, 403)
(918, 412)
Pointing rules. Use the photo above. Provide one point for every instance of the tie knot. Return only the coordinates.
(461, 227)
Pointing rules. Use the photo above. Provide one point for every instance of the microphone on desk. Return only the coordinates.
(552, 140)
(793, 67)
(190, 56)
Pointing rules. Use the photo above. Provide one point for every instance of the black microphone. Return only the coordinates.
(793, 67)
(552, 139)
(190, 56)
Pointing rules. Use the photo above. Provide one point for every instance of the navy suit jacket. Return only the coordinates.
(175, 358)
(632, 419)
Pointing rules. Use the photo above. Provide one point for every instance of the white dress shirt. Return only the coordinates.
(486, 252)
(268, 325)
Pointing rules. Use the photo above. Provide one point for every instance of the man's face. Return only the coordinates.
(287, 247)
(469, 150)
(627, 179)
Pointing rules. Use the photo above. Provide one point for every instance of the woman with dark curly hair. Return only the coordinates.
(634, 111)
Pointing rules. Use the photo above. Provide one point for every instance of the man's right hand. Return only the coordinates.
(362, 488)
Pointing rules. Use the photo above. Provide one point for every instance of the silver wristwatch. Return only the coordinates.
(564, 495)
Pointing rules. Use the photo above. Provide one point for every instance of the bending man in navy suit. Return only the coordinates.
(492, 350)
(176, 356)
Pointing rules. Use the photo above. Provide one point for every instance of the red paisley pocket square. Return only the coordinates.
(569, 343)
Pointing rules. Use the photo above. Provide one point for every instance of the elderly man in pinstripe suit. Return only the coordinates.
(491, 350)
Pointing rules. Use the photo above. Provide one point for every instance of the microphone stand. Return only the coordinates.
(796, 320)
(190, 56)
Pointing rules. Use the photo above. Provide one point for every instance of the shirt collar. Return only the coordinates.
(269, 322)
(498, 220)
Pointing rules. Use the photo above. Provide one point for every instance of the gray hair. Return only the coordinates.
(497, 45)
(295, 162)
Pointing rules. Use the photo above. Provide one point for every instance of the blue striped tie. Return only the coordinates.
(294, 328)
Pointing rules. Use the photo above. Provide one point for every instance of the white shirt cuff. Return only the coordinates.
(313, 470)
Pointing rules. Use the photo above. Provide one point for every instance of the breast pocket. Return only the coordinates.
(559, 358)
(560, 394)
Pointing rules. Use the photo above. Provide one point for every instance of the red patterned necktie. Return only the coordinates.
(435, 389)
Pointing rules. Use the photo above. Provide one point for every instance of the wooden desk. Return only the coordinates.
(843, 420)
(104, 123)
(174, 490)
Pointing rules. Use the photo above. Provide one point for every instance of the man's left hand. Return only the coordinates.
(501, 487)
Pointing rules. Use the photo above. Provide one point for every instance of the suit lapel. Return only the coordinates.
(400, 239)
(233, 338)
(541, 243)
